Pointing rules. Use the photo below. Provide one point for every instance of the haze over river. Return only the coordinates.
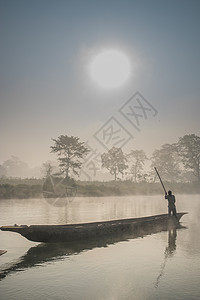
(163, 265)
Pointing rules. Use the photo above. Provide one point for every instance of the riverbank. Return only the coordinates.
(33, 188)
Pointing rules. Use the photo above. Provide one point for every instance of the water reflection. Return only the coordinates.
(45, 253)
(169, 251)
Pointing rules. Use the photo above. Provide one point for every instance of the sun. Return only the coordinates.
(110, 69)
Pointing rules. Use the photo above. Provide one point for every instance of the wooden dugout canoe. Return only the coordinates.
(84, 231)
(2, 252)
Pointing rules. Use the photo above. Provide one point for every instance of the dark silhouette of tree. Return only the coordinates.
(189, 150)
(70, 153)
(136, 160)
(167, 161)
(115, 161)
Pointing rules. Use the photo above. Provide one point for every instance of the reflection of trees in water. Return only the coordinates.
(169, 251)
(59, 191)
(193, 236)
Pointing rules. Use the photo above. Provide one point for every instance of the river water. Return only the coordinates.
(163, 265)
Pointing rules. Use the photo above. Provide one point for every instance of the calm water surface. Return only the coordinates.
(165, 265)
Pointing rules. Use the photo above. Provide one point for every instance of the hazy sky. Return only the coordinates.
(46, 90)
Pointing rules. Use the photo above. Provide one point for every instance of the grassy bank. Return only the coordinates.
(20, 191)
(125, 188)
(32, 188)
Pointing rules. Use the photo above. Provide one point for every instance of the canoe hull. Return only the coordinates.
(95, 230)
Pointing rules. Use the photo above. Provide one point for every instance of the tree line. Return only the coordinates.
(179, 161)
(176, 162)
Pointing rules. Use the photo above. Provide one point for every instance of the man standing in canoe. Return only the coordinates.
(171, 203)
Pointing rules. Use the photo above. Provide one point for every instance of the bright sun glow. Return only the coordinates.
(110, 69)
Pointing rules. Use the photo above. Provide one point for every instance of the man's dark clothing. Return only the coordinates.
(171, 204)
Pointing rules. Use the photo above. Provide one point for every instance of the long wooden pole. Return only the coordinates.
(160, 180)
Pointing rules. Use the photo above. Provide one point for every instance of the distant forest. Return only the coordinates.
(132, 173)
(33, 188)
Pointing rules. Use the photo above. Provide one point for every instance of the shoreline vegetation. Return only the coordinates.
(17, 188)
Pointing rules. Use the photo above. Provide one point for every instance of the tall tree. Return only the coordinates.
(189, 150)
(136, 159)
(167, 161)
(70, 153)
(115, 161)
